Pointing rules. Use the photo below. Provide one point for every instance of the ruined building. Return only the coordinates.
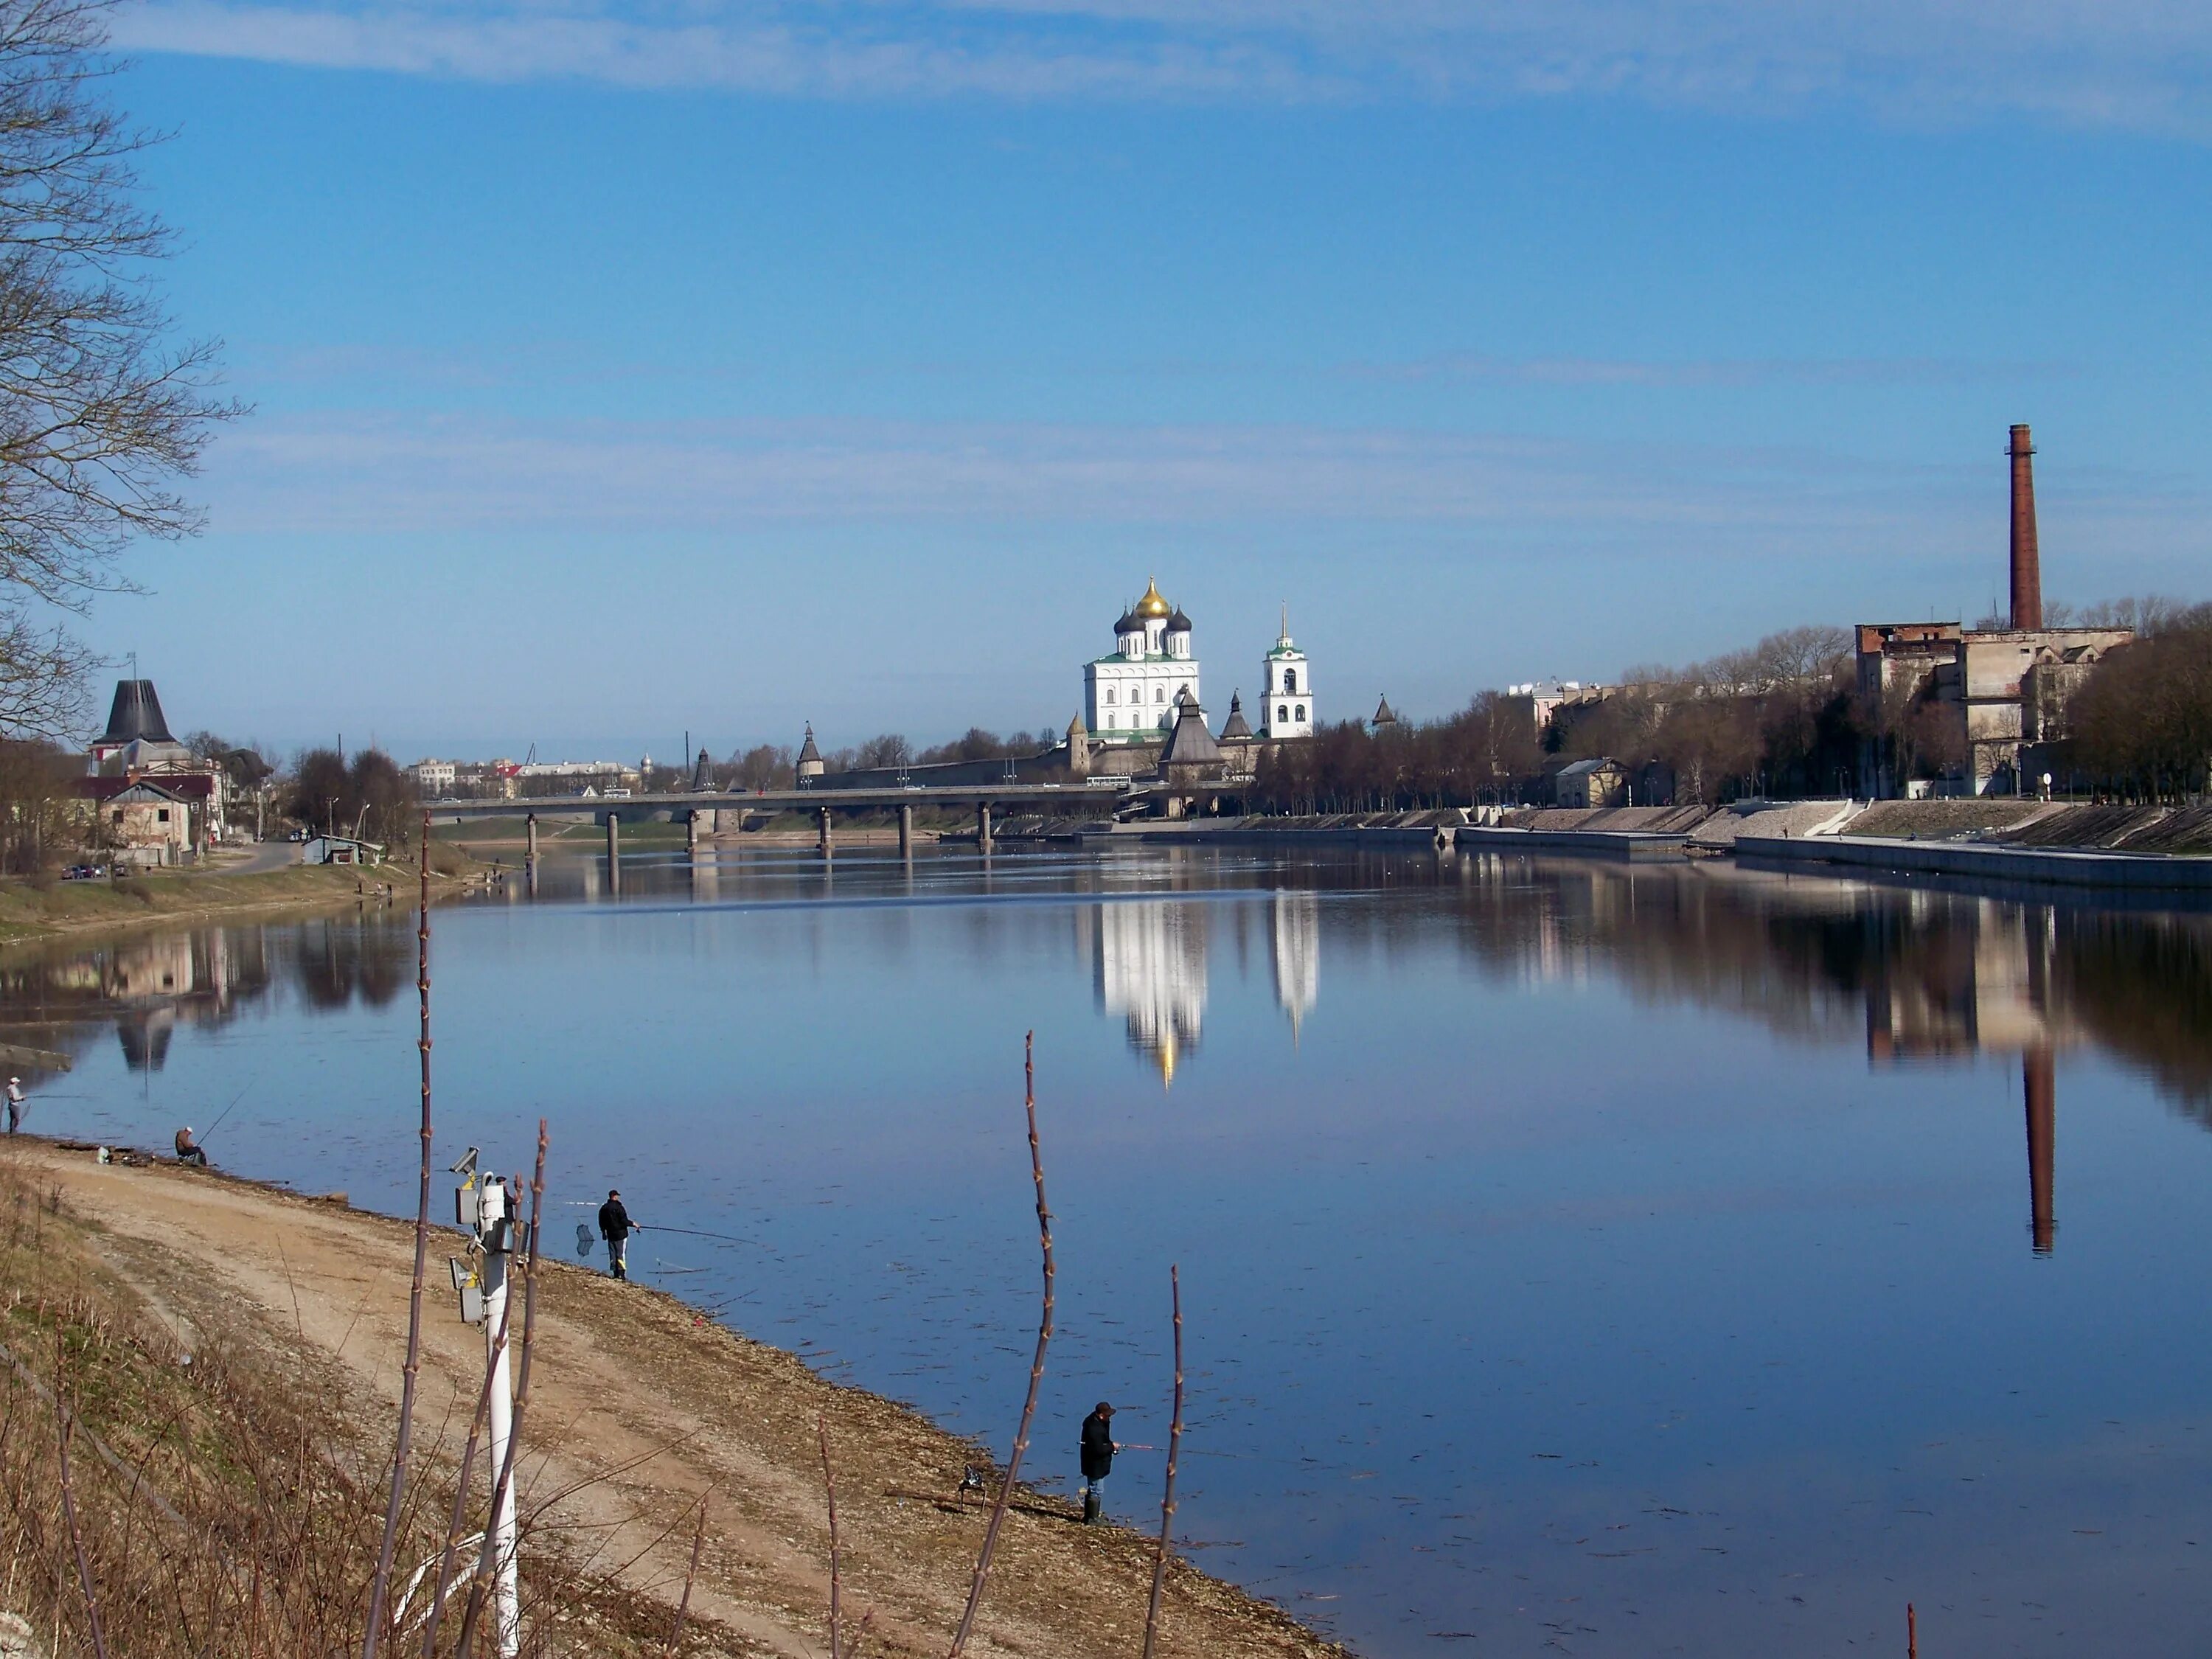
(1979, 705)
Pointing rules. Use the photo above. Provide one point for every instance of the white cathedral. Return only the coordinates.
(1131, 696)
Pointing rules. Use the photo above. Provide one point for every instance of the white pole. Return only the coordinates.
(506, 1612)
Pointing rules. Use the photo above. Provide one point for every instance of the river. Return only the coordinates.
(1575, 1258)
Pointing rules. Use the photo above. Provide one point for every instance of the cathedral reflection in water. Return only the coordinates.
(1149, 966)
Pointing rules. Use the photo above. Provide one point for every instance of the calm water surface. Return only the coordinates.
(1575, 1259)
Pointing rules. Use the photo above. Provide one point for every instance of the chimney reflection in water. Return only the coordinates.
(2038, 1071)
(1980, 981)
(2040, 1085)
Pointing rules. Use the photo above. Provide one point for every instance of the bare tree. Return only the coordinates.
(888, 750)
(766, 766)
(102, 412)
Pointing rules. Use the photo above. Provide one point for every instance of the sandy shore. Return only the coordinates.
(638, 1404)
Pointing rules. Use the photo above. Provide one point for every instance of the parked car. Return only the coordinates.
(82, 872)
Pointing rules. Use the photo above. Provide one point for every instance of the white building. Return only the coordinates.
(1132, 694)
(1287, 710)
(435, 777)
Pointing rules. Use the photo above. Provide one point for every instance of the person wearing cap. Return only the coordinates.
(615, 1227)
(14, 1103)
(188, 1150)
(1098, 1449)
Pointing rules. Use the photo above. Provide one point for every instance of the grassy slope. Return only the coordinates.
(29, 911)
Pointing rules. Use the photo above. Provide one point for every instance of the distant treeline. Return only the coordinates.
(1783, 717)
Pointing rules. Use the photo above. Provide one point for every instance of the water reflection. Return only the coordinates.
(1927, 977)
(1295, 942)
(146, 989)
(1149, 966)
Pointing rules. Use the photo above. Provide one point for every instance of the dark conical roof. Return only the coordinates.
(807, 751)
(1384, 715)
(1235, 726)
(1190, 744)
(703, 776)
(136, 715)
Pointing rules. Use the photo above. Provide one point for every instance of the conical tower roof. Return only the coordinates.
(1190, 744)
(1235, 726)
(135, 716)
(807, 751)
(1384, 715)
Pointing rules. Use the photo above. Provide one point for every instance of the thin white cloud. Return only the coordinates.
(1479, 368)
(382, 473)
(2093, 62)
(2144, 65)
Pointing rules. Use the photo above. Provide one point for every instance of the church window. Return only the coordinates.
(1283, 713)
(1159, 694)
(1302, 711)
(1110, 720)
(1290, 679)
(1110, 694)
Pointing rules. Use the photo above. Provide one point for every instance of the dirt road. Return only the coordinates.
(637, 1405)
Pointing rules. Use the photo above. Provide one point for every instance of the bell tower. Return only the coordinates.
(1286, 708)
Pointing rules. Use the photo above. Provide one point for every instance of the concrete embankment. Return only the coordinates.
(2139, 872)
(1393, 837)
(1631, 846)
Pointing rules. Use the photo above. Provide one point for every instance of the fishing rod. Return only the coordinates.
(228, 1109)
(698, 1232)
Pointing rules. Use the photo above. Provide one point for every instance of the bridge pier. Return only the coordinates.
(906, 831)
(983, 825)
(691, 836)
(614, 852)
(824, 844)
(530, 824)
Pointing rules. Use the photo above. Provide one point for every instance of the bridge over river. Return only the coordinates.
(1091, 798)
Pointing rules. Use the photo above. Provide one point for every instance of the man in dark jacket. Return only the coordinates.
(615, 1227)
(1098, 1449)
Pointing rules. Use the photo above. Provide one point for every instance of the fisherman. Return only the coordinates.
(615, 1227)
(1098, 1449)
(14, 1103)
(188, 1150)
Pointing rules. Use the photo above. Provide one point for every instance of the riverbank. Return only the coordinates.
(30, 911)
(2029, 865)
(638, 1405)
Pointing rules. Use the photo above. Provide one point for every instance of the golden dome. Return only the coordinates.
(1152, 605)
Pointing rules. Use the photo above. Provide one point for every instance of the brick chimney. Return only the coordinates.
(2027, 561)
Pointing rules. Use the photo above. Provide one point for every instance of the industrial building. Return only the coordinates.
(1984, 705)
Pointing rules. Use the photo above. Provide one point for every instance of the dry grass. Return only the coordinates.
(32, 910)
(225, 1505)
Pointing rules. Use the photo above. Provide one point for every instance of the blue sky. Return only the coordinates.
(625, 369)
